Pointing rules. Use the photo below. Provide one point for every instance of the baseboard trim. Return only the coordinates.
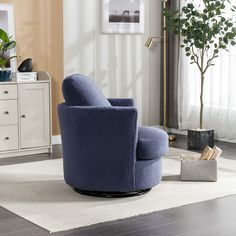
(56, 139)
(25, 152)
(176, 131)
(185, 132)
(173, 131)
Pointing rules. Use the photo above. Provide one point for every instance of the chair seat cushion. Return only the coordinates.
(78, 90)
(152, 143)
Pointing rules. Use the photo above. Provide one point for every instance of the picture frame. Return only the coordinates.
(7, 23)
(123, 16)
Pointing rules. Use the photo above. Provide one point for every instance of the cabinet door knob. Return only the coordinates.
(6, 113)
(5, 92)
(23, 116)
(7, 138)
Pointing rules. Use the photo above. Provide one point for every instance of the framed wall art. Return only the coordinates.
(123, 16)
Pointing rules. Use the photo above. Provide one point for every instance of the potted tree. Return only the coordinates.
(6, 44)
(204, 31)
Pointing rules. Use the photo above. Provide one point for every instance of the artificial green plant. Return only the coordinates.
(205, 30)
(6, 44)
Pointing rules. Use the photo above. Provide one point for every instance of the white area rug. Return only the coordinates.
(37, 192)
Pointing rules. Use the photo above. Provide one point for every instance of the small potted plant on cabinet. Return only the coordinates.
(6, 44)
(204, 31)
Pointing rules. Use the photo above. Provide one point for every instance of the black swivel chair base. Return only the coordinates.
(112, 194)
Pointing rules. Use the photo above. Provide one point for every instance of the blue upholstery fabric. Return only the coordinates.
(99, 146)
(78, 90)
(125, 102)
(148, 173)
(152, 143)
(100, 143)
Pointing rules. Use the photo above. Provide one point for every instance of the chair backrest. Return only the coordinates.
(79, 90)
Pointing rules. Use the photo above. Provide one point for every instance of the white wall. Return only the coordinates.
(119, 64)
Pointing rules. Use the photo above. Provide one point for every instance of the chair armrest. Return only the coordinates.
(105, 122)
(121, 102)
(124, 114)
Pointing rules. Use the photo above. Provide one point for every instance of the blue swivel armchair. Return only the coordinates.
(105, 153)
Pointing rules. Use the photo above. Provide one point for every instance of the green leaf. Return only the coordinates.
(9, 46)
(3, 36)
(6, 44)
(3, 62)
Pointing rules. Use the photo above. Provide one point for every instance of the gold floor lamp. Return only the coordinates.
(149, 43)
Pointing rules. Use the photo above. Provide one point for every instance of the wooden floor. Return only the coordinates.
(215, 217)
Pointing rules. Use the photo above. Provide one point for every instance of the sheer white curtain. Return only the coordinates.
(219, 95)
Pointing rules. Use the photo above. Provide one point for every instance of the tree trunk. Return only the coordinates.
(201, 100)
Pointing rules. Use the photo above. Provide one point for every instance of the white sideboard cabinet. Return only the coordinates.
(25, 117)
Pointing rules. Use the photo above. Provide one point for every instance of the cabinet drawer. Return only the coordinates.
(8, 91)
(8, 112)
(8, 137)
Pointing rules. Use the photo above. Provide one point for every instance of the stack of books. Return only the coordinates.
(26, 76)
